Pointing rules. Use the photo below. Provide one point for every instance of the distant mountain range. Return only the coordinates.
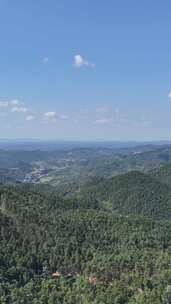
(49, 145)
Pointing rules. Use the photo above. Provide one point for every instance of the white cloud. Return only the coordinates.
(79, 62)
(117, 111)
(102, 121)
(19, 109)
(102, 110)
(147, 122)
(169, 95)
(63, 117)
(84, 110)
(15, 102)
(4, 104)
(30, 117)
(50, 116)
(10, 103)
(14, 105)
(45, 60)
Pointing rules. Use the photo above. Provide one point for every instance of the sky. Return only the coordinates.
(85, 70)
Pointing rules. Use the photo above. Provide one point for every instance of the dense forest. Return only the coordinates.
(106, 242)
(132, 193)
(76, 250)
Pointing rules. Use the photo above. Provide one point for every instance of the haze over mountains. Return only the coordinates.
(36, 144)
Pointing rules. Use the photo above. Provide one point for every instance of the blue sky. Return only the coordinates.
(85, 70)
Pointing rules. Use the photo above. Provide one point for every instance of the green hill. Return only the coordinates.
(99, 257)
(163, 174)
(133, 193)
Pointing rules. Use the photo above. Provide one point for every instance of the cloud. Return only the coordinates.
(84, 110)
(102, 121)
(10, 103)
(146, 122)
(30, 117)
(63, 117)
(50, 116)
(45, 60)
(79, 62)
(169, 95)
(102, 110)
(14, 105)
(15, 102)
(4, 104)
(19, 109)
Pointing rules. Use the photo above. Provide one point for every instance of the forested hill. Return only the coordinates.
(132, 193)
(56, 250)
(162, 174)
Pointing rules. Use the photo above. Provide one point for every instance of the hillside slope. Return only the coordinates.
(97, 257)
(162, 174)
(133, 193)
